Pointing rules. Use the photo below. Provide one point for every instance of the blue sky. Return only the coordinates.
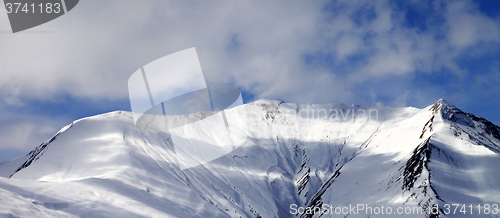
(398, 53)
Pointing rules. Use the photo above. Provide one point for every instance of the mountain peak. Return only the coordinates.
(444, 106)
(461, 120)
(445, 103)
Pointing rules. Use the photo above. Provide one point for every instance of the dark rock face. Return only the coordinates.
(36, 153)
(483, 130)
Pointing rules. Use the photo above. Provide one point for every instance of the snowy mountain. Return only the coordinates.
(298, 161)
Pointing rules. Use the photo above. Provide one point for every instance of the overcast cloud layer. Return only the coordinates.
(349, 51)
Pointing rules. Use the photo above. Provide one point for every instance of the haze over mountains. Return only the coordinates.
(295, 156)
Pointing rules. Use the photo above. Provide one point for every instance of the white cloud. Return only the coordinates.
(24, 135)
(98, 45)
(25, 132)
(348, 45)
(468, 27)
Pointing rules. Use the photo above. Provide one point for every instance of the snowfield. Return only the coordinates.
(297, 161)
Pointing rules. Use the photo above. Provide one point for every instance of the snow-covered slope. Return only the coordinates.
(295, 156)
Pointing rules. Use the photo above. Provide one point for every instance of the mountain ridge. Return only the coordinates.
(303, 155)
